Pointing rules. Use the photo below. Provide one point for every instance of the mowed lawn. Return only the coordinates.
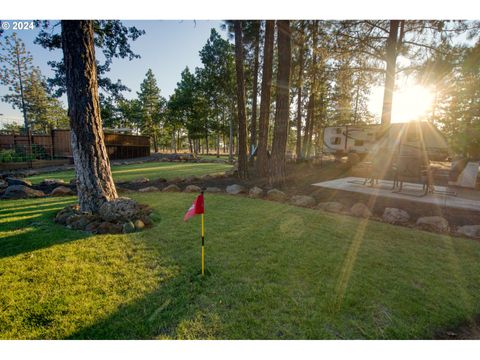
(151, 170)
(274, 272)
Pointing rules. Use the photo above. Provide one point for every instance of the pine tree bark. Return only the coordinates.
(282, 111)
(94, 178)
(391, 58)
(256, 66)
(242, 117)
(307, 138)
(262, 156)
(299, 96)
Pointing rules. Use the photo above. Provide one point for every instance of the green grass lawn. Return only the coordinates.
(275, 272)
(151, 170)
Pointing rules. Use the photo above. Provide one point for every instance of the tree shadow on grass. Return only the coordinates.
(154, 316)
(30, 227)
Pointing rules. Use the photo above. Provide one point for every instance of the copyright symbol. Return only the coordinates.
(5, 25)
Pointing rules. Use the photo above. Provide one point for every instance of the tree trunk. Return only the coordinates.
(230, 140)
(299, 98)
(253, 125)
(242, 117)
(307, 138)
(391, 58)
(262, 156)
(282, 111)
(94, 178)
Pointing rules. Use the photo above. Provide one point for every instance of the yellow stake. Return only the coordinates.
(203, 245)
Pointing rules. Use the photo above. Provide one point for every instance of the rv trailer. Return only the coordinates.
(365, 139)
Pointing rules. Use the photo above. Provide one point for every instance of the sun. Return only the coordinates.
(411, 103)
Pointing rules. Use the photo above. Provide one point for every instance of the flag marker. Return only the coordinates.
(198, 208)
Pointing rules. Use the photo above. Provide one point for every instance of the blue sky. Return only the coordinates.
(167, 47)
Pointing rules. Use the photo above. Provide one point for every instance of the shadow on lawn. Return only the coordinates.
(30, 227)
(155, 315)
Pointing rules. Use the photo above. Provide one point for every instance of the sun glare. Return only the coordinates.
(411, 103)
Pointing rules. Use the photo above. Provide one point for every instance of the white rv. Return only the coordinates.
(364, 139)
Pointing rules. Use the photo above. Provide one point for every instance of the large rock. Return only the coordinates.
(276, 195)
(139, 224)
(213, 189)
(52, 182)
(21, 192)
(171, 188)
(192, 189)
(120, 209)
(109, 228)
(256, 193)
(61, 191)
(141, 180)
(302, 200)
(361, 210)
(235, 189)
(191, 178)
(433, 223)
(469, 230)
(15, 181)
(81, 221)
(395, 216)
(149, 189)
(3, 184)
(331, 206)
(66, 213)
(128, 227)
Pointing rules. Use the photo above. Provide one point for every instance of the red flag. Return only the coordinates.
(196, 208)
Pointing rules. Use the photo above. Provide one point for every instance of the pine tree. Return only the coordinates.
(17, 67)
(92, 166)
(153, 106)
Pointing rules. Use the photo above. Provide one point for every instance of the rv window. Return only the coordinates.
(338, 130)
(336, 140)
(358, 142)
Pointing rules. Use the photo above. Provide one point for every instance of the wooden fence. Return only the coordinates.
(57, 145)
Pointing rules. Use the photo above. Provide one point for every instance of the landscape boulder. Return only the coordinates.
(149, 189)
(235, 189)
(80, 222)
(21, 192)
(128, 227)
(52, 182)
(61, 191)
(276, 195)
(65, 213)
(395, 216)
(109, 228)
(192, 189)
(302, 200)
(171, 188)
(15, 181)
(331, 206)
(120, 209)
(206, 177)
(191, 178)
(256, 193)
(213, 189)
(469, 230)
(360, 210)
(139, 224)
(433, 223)
(141, 180)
